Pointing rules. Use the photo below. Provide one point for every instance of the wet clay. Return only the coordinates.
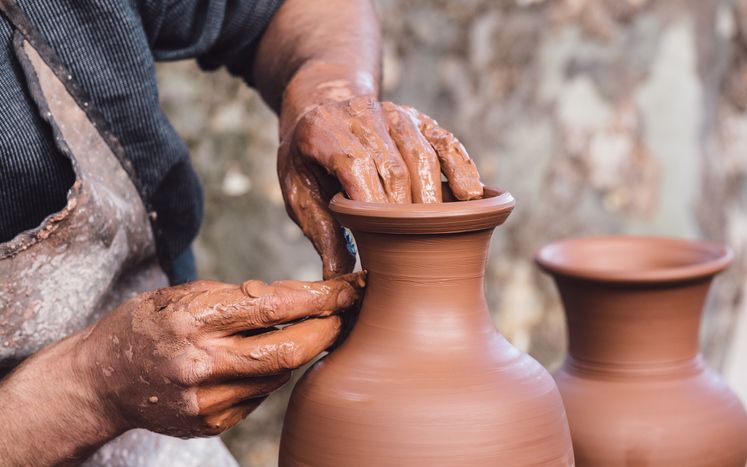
(635, 387)
(424, 379)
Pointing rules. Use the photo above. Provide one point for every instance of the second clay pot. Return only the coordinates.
(636, 389)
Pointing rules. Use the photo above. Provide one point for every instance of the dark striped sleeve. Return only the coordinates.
(215, 32)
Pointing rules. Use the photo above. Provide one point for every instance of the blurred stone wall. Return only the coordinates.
(600, 116)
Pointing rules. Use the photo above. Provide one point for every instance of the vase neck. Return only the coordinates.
(633, 328)
(427, 288)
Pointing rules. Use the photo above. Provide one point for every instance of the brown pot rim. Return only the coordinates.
(700, 259)
(449, 217)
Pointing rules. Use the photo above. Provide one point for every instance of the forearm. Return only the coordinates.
(49, 413)
(320, 51)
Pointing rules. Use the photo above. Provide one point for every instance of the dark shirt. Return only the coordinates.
(110, 47)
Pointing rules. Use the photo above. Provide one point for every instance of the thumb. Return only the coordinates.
(307, 206)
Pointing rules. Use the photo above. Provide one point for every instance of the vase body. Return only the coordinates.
(424, 379)
(635, 387)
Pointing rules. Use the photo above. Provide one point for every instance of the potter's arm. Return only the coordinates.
(49, 413)
(333, 42)
(318, 65)
(190, 360)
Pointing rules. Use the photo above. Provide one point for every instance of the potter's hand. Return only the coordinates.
(318, 66)
(374, 151)
(195, 359)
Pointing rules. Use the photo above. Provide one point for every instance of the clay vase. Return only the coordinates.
(424, 379)
(635, 386)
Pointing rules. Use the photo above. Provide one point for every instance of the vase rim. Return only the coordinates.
(634, 259)
(438, 218)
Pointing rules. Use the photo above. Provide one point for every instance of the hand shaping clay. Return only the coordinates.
(635, 387)
(424, 379)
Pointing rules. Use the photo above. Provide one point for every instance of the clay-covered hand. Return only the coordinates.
(195, 359)
(333, 138)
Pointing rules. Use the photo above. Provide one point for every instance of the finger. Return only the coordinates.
(321, 136)
(183, 293)
(302, 299)
(348, 318)
(308, 207)
(218, 397)
(347, 322)
(355, 279)
(275, 352)
(368, 124)
(259, 305)
(418, 154)
(460, 171)
(221, 421)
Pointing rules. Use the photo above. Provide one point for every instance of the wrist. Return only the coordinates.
(77, 373)
(317, 83)
(89, 370)
(51, 399)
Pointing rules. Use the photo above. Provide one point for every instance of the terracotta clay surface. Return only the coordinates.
(424, 379)
(635, 387)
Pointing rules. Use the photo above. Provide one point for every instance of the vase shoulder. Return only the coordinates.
(666, 419)
(507, 403)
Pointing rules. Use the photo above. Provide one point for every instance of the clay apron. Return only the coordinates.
(84, 260)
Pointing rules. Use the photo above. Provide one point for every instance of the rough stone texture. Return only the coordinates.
(600, 116)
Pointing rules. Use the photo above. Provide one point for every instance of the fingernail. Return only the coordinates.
(355, 279)
(361, 279)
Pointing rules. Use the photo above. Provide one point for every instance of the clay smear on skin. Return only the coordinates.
(193, 354)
